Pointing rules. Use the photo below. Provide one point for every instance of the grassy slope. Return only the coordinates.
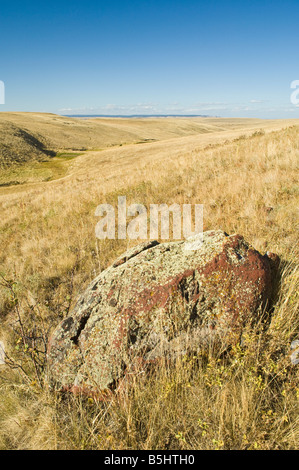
(247, 400)
(25, 136)
(30, 141)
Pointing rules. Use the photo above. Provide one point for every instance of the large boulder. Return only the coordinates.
(157, 300)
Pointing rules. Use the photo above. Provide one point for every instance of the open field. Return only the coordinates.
(28, 136)
(37, 147)
(245, 172)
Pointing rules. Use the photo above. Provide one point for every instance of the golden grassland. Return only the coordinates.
(35, 136)
(245, 172)
(29, 141)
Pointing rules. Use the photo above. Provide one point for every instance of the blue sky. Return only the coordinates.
(225, 58)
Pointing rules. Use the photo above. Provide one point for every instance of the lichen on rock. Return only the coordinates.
(157, 300)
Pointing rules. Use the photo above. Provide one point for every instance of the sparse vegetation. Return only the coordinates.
(246, 399)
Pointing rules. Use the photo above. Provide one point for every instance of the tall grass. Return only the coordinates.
(246, 399)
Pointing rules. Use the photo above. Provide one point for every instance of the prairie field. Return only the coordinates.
(54, 172)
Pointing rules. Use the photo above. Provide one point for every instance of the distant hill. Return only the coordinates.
(18, 145)
(38, 136)
(137, 116)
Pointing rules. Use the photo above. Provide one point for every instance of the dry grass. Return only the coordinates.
(37, 147)
(35, 136)
(248, 183)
